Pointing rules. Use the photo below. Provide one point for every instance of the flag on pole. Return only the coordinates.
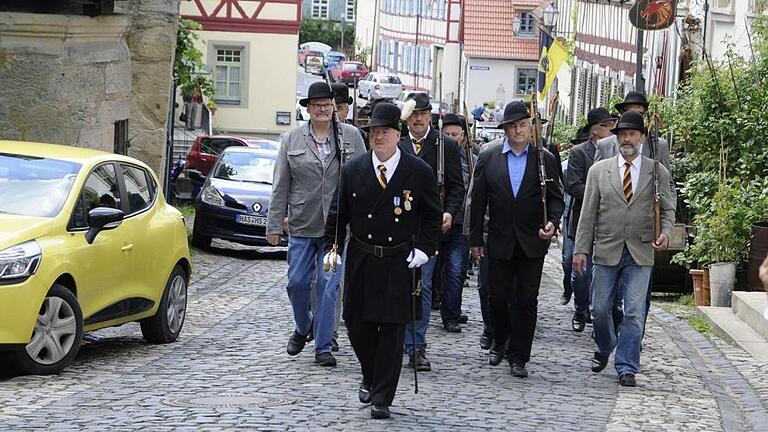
(553, 54)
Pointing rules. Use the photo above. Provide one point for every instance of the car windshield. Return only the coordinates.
(264, 144)
(34, 186)
(245, 167)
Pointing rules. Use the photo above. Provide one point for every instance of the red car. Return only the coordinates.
(344, 72)
(206, 149)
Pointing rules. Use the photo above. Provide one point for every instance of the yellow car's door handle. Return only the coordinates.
(127, 248)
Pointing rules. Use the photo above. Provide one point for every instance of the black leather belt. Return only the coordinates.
(380, 251)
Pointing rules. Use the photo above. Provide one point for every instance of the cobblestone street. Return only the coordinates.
(229, 370)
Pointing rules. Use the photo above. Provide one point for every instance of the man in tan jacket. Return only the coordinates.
(617, 227)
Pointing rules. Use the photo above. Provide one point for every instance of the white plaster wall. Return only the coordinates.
(483, 85)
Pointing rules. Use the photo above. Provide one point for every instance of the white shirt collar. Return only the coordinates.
(390, 164)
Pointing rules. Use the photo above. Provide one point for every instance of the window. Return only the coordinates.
(100, 190)
(527, 24)
(757, 6)
(722, 4)
(350, 12)
(138, 186)
(121, 137)
(526, 81)
(227, 75)
(320, 9)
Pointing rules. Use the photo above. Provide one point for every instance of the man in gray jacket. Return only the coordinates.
(305, 180)
(617, 226)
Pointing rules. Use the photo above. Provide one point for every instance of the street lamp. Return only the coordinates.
(550, 16)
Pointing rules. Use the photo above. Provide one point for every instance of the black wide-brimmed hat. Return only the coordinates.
(597, 116)
(422, 102)
(632, 98)
(581, 135)
(630, 120)
(318, 90)
(384, 114)
(513, 112)
(457, 120)
(341, 93)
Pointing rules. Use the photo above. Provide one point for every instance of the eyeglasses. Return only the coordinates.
(325, 106)
(608, 124)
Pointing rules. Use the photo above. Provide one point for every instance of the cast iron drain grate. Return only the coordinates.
(227, 400)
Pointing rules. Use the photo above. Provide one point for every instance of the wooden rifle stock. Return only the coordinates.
(534, 112)
(654, 150)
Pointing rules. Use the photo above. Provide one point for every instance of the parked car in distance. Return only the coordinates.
(234, 202)
(377, 86)
(436, 104)
(87, 241)
(206, 149)
(345, 71)
(332, 58)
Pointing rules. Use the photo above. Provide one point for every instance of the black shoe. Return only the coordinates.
(325, 359)
(452, 327)
(589, 318)
(463, 319)
(566, 298)
(420, 361)
(380, 412)
(364, 394)
(471, 271)
(627, 380)
(296, 343)
(310, 334)
(495, 357)
(518, 370)
(599, 362)
(486, 340)
(334, 345)
(578, 322)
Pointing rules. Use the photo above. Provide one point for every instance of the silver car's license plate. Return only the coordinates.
(251, 220)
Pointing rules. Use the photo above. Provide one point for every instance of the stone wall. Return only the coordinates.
(67, 79)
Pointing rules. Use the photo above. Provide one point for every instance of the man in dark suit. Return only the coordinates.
(389, 199)
(423, 141)
(506, 180)
(599, 124)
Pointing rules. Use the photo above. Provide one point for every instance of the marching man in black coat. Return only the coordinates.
(389, 199)
(506, 182)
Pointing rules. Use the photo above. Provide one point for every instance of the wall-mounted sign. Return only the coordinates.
(283, 117)
(479, 67)
(653, 14)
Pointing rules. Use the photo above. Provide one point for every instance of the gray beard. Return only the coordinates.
(628, 151)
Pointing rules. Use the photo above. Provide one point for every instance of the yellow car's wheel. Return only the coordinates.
(57, 335)
(165, 325)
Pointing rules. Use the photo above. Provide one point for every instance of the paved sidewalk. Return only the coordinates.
(229, 370)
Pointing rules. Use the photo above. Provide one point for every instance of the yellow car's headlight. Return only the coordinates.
(20, 261)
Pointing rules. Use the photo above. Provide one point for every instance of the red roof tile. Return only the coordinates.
(488, 29)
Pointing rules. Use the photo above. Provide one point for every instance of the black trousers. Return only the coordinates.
(514, 289)
(379, 348)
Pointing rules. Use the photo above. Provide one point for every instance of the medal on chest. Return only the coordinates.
(407, 199)
(396, 202)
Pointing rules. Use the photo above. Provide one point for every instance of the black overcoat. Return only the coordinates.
(379, 289)
(579, 162)
(454, 181)
(512, 218)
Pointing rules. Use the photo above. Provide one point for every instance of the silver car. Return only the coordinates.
(378, 86)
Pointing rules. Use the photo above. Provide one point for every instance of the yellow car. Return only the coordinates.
(86, 241)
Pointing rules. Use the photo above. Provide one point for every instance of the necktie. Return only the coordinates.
(382, 175)
(628, 181)
(417, 145)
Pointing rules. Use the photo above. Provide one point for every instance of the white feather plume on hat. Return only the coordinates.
(407, 109)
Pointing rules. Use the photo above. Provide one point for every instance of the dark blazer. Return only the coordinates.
(454, 182)
(379, 289)
(512, 219)
(580, 160)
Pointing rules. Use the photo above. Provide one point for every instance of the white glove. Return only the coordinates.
(331, 261)
(416, 258)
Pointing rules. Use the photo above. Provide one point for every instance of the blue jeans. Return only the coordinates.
(581, 287)
(634, 290)
(420, 343)
(567, 257)
(305, 261)
(455, 257)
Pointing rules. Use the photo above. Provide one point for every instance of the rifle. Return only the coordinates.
(534, 112)
(416, 284)
(440, 148)
(552, 114)
(330, 260)
(468, 145)
(653, 142)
